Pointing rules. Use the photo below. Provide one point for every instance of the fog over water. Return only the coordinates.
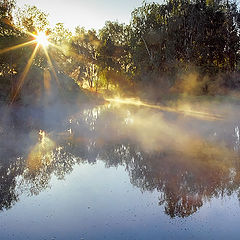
(122, 170)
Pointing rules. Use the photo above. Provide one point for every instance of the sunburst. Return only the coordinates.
(40, 39)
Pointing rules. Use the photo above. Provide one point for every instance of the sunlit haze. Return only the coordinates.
(119, 119)
(88, 14)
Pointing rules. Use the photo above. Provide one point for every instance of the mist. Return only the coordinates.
(129, 127)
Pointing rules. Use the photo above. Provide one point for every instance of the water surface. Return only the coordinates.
(118, 172)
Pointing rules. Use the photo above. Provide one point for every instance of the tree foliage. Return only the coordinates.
(160, 42)
(191, 32)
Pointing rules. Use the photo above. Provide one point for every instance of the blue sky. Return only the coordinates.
(86, 13)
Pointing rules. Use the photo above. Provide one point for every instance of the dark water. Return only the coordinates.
(118, 172)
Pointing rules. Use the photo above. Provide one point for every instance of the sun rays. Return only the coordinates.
(51, 64)
(24, 74)
(17, 46)
(40, 40)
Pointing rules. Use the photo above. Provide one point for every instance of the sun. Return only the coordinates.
(42, 39)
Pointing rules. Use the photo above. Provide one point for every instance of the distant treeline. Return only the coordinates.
(181, 45)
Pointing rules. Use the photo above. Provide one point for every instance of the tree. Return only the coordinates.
(32, 19)
(114, 57)
(166, 38)
(84, 47)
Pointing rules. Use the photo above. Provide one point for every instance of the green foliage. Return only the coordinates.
(83, 49)
(13, 61)
(162, 43)
(166, 37)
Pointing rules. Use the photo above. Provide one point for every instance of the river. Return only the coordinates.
(119, 171)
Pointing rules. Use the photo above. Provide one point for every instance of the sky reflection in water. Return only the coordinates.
(120, 173)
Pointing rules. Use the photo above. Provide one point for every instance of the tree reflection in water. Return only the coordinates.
(185, 177)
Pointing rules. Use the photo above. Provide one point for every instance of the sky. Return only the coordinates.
(85, 13)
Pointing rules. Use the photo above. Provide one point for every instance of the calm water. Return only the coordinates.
(118, 172)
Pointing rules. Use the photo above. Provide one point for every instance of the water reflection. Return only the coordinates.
(187, 161)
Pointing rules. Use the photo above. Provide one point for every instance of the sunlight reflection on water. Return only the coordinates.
(115, 172)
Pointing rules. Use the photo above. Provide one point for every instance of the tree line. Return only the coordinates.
(162, 44)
